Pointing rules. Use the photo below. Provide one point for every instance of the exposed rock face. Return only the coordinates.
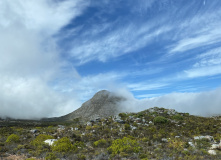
(102, 104)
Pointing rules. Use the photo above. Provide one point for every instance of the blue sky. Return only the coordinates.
(57, 54)
(150, 47)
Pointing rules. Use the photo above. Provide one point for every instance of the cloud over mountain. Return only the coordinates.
(30, 60)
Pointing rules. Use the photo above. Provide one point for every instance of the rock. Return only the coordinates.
(34, 131)
(133, 128)
(212, 152)
(216, 146)
(171, 111)
(61, 127)
(210, 138)
(120, 121)
(50, 141)
(164, 140)
(191, 144)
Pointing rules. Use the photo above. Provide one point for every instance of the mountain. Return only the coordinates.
(102, 104)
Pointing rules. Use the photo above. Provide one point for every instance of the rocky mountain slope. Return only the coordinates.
(155, 133)
(102, 104)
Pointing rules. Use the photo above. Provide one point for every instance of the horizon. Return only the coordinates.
(55, 55)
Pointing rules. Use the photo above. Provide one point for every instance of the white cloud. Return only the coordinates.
(207, 64)
(203, 71)
(202, 29)
(32, 98)
(87, 86)
(202, 103)
(197, 41)
(46, 16)
(146, 86)
(115, 43)
(209, 58)
(30, 61)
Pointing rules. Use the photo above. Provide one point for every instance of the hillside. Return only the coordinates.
(101, 105)
(156, 133)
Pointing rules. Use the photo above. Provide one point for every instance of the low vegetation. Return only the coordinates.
(156, 133)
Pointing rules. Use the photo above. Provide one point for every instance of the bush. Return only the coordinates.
(123, 116)
(63, 145)
(39, 140)
(160, 120)
(50, 156)
(127, 127)
(126, 145)
(81, 157)
(203, 143)
(100, 143)
(13, 138)
(177, 117)
(6, 131)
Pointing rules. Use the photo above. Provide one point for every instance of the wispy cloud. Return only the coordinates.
(209, 58)
(205, 39)
(146, 86)
(196, 31)
(203, 71)
(207, 64)
(122, 40)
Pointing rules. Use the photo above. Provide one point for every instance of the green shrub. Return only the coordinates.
(160, 120)
(63, 145)
(39, 140)
(50, 156)
(177, 117)
(127, 127)
(13, 138)
(203, 143)
(81, 157)
(142, 156)
(125, 144)
(100, 143)
(6, 131)
(123, 116)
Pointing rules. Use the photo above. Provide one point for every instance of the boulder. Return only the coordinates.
(210, 138)
(216, 146)
(50, 141)
(212, 152)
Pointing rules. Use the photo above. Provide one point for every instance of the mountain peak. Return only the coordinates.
(102, 104)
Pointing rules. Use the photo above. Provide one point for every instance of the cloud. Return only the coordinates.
(212, 37)
(32, 98)
(207, 64)
(203, 71)
(209, 58)
(196, 31)
(202, 103)
(145, 87)
(110, 40)
(30, 58)
(87, 86)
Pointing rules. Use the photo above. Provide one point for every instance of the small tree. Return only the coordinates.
(63, 145)
(126, 145)
(127, 127)
(39, 140)
(100, 143)
(13, 138)
(160, 120)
